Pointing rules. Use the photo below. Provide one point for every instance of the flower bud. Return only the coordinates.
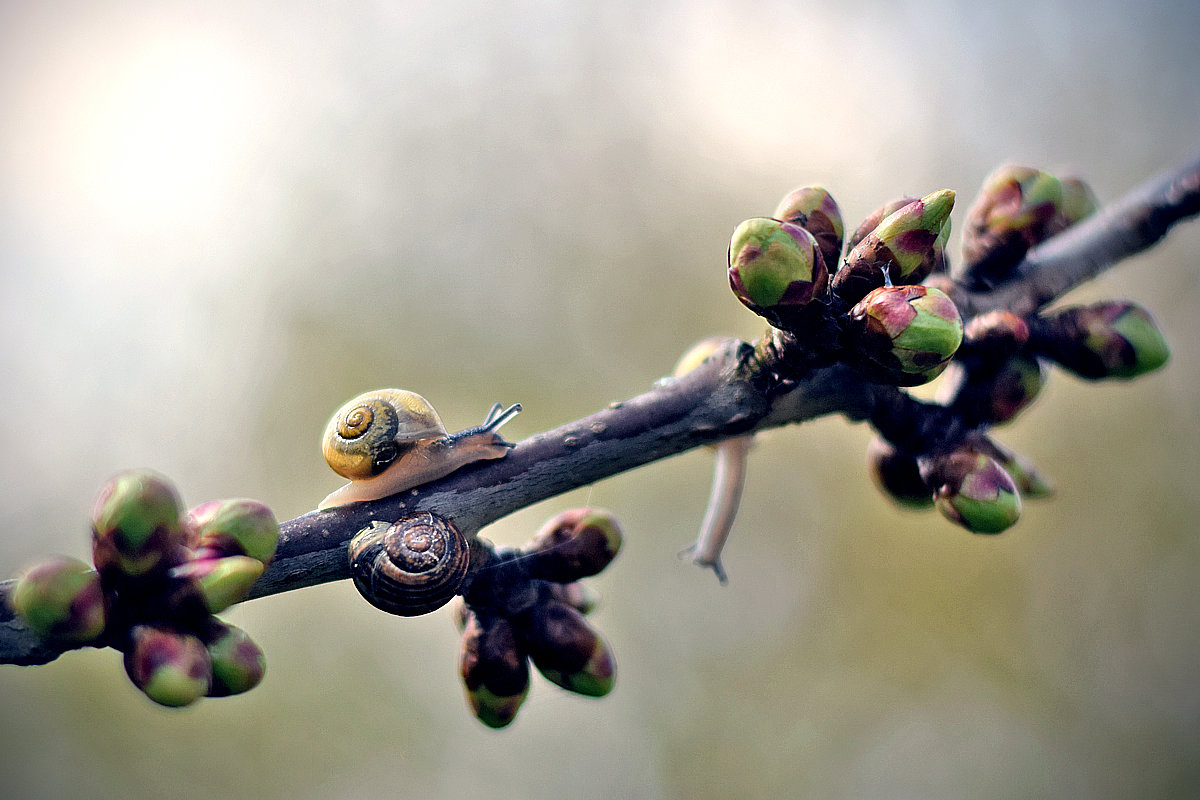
(814, 209)
(1030, 483)
(1016, 208)
(903, 335)
(60, 598)
(897, 475)
(775, 268)
(578, 595)
(872, 220)
(973, 490)
(1078, 203)
(222, 582)
(996, 331)
(233, 528)
(575, 544)
(238, 664)
(1107, 340)
(902, 249)
(992, 393)
(567, 651)
(136, 524)
(493, 667)
(170, 667)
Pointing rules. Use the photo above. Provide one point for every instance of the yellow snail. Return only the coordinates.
(411, 567)
(390, 440)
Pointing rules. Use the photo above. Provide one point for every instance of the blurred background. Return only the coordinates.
(220, 220)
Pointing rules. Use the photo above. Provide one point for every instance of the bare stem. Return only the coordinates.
(728, 396)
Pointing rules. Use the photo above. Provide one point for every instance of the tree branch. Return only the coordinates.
(731, 394)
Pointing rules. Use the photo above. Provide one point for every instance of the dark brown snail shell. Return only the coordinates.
(411, 567)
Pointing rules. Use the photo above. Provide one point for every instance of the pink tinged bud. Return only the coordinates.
(60, 599)
(1017, 208)
(814, 209)
(903, 335)
(136, 524)
(897, 475)
(1031, 484)
(1107, 340)
(221, 582)
(774, 267)
(233, 528)
(493, 667)
(993, 393)
(567, 651)
(170, 667)
(974, 491)
(903, 248)
(238, 664)
(871, 222)
(998, 330)
(575, 544)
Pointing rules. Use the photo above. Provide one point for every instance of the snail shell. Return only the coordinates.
(411, 567)
(391, 440)
(371, 431)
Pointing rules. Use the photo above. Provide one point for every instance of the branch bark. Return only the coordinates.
(728, 396)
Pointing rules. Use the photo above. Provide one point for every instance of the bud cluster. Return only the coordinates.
(865, 308)
(528, 605)
(159, 575)
(978, 485)
(883, 304)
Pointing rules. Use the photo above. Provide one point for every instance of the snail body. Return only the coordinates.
(390, 440)
(411, 567)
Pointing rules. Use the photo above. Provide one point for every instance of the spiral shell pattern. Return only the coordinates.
(412, 567)
(369, 432)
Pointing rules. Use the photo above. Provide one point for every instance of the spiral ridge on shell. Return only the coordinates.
(411, 567)
(369, 432)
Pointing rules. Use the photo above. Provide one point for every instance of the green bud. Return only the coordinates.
(60, 598)
(1107, 340)
(814, 209)
(222, 582)
(903, 335)
(567, 651)
(992, 392)
(135, 524)
(233, 528)
(238, 664)
(493, 668)
(903, 248)
(170, 667)
(1016, 208)
(872, 220)
(897, 475)
(578, 595)
(1030, 483)
(1078, 203)
(775, 268)
(974, 491)
(575, 544)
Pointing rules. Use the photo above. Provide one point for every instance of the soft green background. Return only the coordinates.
(220, 220)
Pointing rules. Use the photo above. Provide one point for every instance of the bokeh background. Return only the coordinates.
(219, 220)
